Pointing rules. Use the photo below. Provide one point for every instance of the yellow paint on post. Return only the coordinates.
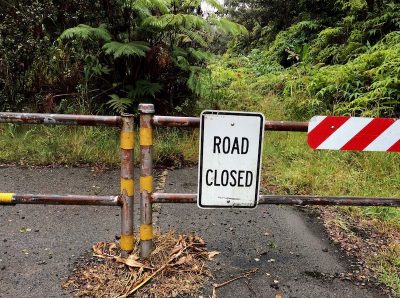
(146, 232)
(146, 136)
(6, 198)
(128, 185)
(127, 242)
(127, 140)
(146, 183)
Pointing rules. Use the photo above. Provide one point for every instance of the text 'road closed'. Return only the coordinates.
(230, 155)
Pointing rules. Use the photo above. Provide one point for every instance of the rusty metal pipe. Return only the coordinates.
(286, 126)
(50, 199)
(173, 121)
(173, 197)
(59, 119)
(146, 179)
(127, 242)
(328, 200)
(288, 200)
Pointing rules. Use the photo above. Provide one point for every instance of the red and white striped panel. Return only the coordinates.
(354, 133)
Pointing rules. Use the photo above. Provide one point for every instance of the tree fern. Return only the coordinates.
(119, 49)
(144, 7)
(175, 20)
(194, 36)
(228, 26)
(177, 33)
(85, 32)
(198, 81)
(215, 4)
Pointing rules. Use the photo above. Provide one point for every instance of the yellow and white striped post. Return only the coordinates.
(127, 242)
(6, 198)
(146, 179)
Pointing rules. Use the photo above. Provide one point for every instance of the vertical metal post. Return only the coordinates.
(127, 241)
(146, 179)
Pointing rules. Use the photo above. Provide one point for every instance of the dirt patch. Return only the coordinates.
(362, 240)
(177, 266)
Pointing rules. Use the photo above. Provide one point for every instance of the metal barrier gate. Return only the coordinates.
(125, 200)
(148, 120)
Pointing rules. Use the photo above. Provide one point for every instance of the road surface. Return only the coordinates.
(39, 244)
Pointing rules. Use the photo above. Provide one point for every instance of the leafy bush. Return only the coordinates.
(351, 68)
(34, 71)
(105, 56)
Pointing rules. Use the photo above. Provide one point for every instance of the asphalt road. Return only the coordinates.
(288, 246)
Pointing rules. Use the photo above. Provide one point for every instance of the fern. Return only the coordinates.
(178, 51)
(228, 26)
(215, 4)
(119, 104)
(198, 82)
(86, 32)
(144, 88)
(181, 62)
(144, 7)
(175, 20)
(193, 36)
(119, 49)
(141, 89)
(199, 54)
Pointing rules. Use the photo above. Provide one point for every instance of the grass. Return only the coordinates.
(296, 169)
(43, 145)
(387, 266)
(58, 145)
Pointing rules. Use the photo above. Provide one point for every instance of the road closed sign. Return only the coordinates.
(230, 159)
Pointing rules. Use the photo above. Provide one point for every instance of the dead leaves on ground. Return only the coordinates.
(176, 267)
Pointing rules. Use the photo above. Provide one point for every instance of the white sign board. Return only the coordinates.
(230, 159)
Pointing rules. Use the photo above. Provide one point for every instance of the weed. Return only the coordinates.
(387, 265)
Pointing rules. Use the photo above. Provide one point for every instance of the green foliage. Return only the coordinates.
(354, 6)
(168, 21)
(228, 26)
(86, 32)
(325, 48)
(119, 104)
(367, 85)
(350, 67)
(34, 69)
(114, 46)
(387, 267)
(72, 145)
(143, 89)
(119, 49)
(288, 48)
(159, 41)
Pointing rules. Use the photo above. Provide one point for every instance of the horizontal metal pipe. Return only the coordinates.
(288, 200)
(65, 200)
(328, 200)
(59, 119)
(173, 197)
(173, 121)
(286, 126)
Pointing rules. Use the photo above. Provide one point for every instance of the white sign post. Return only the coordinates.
(230, 159)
